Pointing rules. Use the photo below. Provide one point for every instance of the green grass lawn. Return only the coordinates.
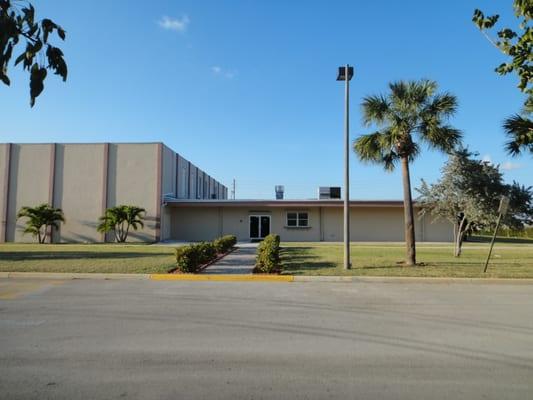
(110, 258)
(509, 260)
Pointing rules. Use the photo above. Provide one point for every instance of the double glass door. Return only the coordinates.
(259, 226)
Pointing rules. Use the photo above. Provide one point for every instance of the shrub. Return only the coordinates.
(206, 252)
(189, 258)
(225, 243)
(268, 259)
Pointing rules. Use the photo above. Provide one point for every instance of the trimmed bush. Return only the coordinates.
(206, 252)
(187, 258)
(191, 257)
(268, 259)
(225, 243)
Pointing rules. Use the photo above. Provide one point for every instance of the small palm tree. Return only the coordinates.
(40, 219)
(120, 219)
(410, 110)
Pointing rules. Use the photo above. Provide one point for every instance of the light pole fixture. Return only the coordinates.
(345, 74)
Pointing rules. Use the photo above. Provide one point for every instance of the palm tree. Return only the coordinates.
(120, 219)
(519, 129)
(411, 110)
(40, 219)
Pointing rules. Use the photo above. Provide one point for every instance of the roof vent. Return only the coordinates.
(280, 190)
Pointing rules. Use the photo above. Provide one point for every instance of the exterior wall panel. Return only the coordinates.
(168, 187)
(195, 224)
(193, 182)
(29, 184)
(183, 177)
(132, 179)
(5, 152)
(78, 190)
(168, 179)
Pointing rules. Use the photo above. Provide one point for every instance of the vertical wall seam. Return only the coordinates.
(105, 185)
(51, 186)
(158, 195)
(220, 222)
(189, 182)
(7, 173)
(321, 224)
(177, 175)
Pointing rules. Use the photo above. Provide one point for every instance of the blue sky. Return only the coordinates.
(247, 90)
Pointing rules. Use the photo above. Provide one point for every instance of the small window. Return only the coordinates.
(292, 219)
(298, 219)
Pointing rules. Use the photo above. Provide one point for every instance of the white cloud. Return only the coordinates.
(487, 158)
(509, 166)
(219, 71)
(174, 24)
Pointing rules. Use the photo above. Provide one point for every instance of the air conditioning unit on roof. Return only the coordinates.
(329, 192)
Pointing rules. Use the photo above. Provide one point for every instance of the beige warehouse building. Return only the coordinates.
(182, 202)
(85, 179)
(298, 220)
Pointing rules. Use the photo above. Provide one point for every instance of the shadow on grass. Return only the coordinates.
(72, 255)
(499, 239)
(297, 260)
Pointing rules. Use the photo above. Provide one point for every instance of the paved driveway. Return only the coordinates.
(249, 340)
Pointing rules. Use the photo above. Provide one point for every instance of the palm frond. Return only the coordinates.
(441, 137)
(376, 109)
(442, 105)
(519, 130)
(376, 148)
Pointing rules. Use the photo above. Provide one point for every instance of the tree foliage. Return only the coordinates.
(18, 22)
(468, 195)
(516, 44)
(411, 113)
(40, 219)
(120, 219)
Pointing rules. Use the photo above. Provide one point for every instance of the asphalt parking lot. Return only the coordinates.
(259, 340)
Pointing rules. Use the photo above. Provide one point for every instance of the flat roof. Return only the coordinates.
(281, 203)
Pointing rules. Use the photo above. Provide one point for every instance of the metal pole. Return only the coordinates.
(492, 242)
(347, 264)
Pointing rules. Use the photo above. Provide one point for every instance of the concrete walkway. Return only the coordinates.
(240, 261)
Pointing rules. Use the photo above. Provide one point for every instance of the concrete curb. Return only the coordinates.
(73, 275)
(259, 278)
(222, 277)
(410, 279)
(307, 278)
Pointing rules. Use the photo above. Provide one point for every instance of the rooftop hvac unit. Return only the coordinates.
(280, 189)
(329, 192)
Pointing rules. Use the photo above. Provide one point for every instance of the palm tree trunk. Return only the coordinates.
(408, 214)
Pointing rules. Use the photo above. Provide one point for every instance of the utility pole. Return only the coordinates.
(345, 74)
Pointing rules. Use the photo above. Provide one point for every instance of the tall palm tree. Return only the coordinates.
(120, 219)
(40, 219)
(411, 110)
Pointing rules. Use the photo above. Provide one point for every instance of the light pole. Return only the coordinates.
(345, 74)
